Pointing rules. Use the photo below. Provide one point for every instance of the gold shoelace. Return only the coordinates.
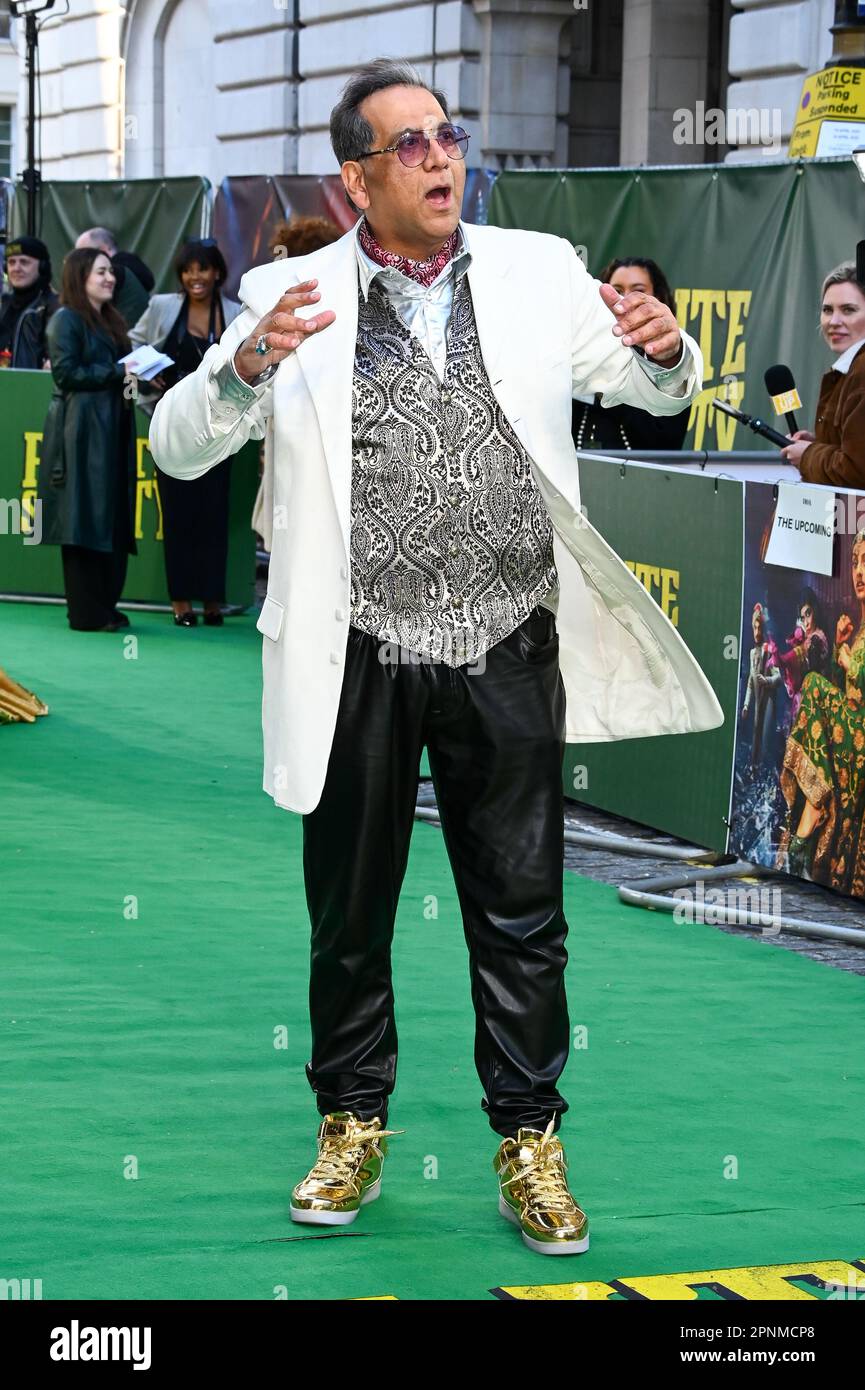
(340, 1151)
(543, 1175)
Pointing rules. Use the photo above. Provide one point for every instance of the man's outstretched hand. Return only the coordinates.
(645, 322)
(284, 329)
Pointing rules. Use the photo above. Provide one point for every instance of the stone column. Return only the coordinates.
(523, 91)
(664, 69)
(82, 91)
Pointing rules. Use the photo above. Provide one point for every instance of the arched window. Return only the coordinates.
(170, 93)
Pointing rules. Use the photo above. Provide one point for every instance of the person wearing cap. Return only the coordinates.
(28, 306)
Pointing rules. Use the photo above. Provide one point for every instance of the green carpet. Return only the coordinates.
(155, 947)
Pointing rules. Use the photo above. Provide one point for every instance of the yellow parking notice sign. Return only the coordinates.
(831, 115)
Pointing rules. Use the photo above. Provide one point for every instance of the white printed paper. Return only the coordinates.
(145, 362)
(803, 529)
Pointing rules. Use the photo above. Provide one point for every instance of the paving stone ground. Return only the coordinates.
(797, 898)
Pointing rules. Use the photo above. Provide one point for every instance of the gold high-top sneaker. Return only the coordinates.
(347, 1172)
(534, 1193)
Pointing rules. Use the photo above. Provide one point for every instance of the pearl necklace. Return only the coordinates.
(582, 429)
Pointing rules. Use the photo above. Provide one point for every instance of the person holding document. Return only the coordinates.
(87, 471)
(194, 519)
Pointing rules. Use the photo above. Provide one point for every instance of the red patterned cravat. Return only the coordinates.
(422, 271)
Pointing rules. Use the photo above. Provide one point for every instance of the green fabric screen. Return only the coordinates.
(151, 217)
(745, 246)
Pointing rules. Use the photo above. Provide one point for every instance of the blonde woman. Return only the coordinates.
(835, 452)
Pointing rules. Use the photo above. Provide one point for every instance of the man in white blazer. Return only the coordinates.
(434, 582)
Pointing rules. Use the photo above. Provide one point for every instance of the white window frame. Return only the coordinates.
(11, 109)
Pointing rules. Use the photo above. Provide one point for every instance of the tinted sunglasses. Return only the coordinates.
(413, 145)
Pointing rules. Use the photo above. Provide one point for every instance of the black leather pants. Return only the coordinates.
(495, 735)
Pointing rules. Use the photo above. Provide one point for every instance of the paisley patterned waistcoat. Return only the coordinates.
(451, 543)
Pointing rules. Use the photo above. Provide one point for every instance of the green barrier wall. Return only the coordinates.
(746, 248)
(29, 569)
(682, 535)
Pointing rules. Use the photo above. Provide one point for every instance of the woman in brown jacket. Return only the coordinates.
(835, 452)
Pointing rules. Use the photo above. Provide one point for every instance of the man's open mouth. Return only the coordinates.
(440, 196)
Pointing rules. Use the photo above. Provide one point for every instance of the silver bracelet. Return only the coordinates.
(264, 376)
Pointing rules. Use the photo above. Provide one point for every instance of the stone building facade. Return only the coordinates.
(165, 87)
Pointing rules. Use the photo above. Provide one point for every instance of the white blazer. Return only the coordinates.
(545, 335)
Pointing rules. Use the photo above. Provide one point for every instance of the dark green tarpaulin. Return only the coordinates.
(148, 216)
(745, 246)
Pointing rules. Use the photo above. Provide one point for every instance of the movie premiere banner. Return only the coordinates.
(799, 781)
(28, 568)
(745, 248)
(766, 584)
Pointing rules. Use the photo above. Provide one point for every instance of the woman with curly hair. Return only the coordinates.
(300, 236)
(823, 776)
(626, 426)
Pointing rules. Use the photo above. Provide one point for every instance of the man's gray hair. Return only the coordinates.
(102, 236)
(350, 134)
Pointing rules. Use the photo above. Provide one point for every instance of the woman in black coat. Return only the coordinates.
(626, 426)
(87, 469)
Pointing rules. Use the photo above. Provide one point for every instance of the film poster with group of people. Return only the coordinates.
(799, 779)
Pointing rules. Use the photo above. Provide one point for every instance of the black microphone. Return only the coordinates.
(785, 398)
(752, 421)
(860, 262)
